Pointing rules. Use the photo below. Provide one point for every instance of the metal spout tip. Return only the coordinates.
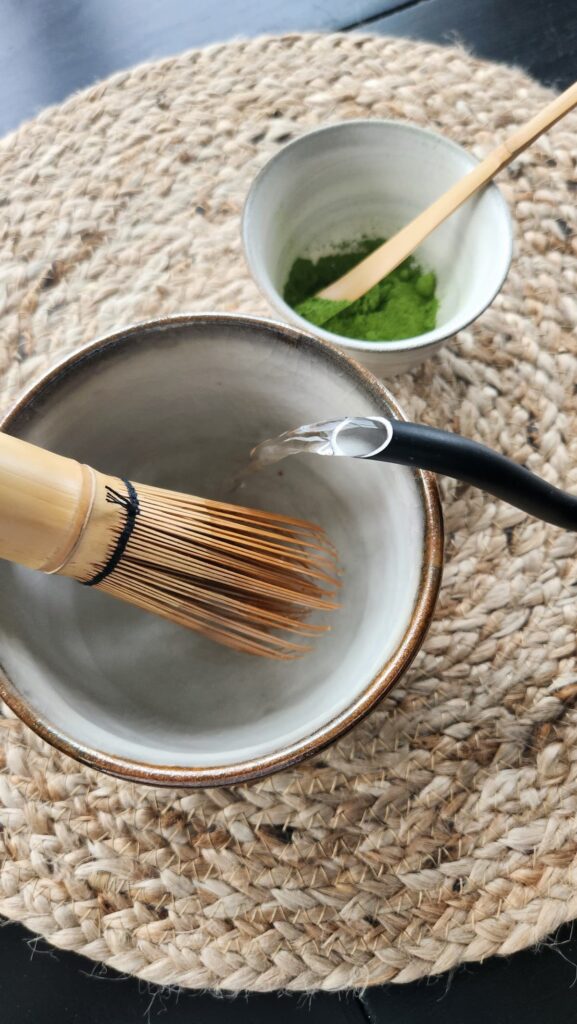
(361, 437)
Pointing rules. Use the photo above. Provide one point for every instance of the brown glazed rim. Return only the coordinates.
(389, 674)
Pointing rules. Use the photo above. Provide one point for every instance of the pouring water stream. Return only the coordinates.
(354, 436)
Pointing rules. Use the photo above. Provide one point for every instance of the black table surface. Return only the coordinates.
(50, 48)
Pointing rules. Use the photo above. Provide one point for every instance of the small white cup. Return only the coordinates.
(371, 178)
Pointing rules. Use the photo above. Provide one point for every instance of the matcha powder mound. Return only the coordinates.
(402, 305)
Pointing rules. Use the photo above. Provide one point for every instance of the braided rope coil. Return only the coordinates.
(443, 828)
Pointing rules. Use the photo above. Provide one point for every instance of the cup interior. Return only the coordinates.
(180, 405)
(370, 178)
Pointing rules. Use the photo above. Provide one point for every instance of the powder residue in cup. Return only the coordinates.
(402, 305)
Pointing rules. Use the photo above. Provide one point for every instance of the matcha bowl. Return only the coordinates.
(365, 180)
(144, 699)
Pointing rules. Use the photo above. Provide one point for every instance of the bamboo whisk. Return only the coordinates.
(243, 577)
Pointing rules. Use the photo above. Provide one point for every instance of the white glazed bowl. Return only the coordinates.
(370, 178)
(180, 403)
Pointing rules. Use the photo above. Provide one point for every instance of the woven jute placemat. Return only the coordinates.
(444, 827)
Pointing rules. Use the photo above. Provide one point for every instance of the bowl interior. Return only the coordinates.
(181, 407)
(370, 178)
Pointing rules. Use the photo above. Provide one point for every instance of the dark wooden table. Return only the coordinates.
(50, 48)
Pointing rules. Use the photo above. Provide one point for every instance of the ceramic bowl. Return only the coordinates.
(371, 178)
(180, 403)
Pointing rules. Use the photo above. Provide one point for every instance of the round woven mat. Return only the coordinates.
(444, 827)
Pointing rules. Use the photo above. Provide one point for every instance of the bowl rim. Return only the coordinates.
(430, 338)
(374, 690)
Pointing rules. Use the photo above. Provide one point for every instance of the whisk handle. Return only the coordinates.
(41, 503)
(451, 455)
(55, 514)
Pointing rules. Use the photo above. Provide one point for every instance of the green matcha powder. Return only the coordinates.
(402, 305)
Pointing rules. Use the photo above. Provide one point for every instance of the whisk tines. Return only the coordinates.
(246, 578)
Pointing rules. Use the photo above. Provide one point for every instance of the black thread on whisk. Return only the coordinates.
(130, 503)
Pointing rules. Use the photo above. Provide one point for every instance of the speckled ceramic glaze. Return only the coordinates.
(179, 403)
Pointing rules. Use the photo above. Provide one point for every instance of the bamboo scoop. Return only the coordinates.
(383, 260)
(243, 577)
